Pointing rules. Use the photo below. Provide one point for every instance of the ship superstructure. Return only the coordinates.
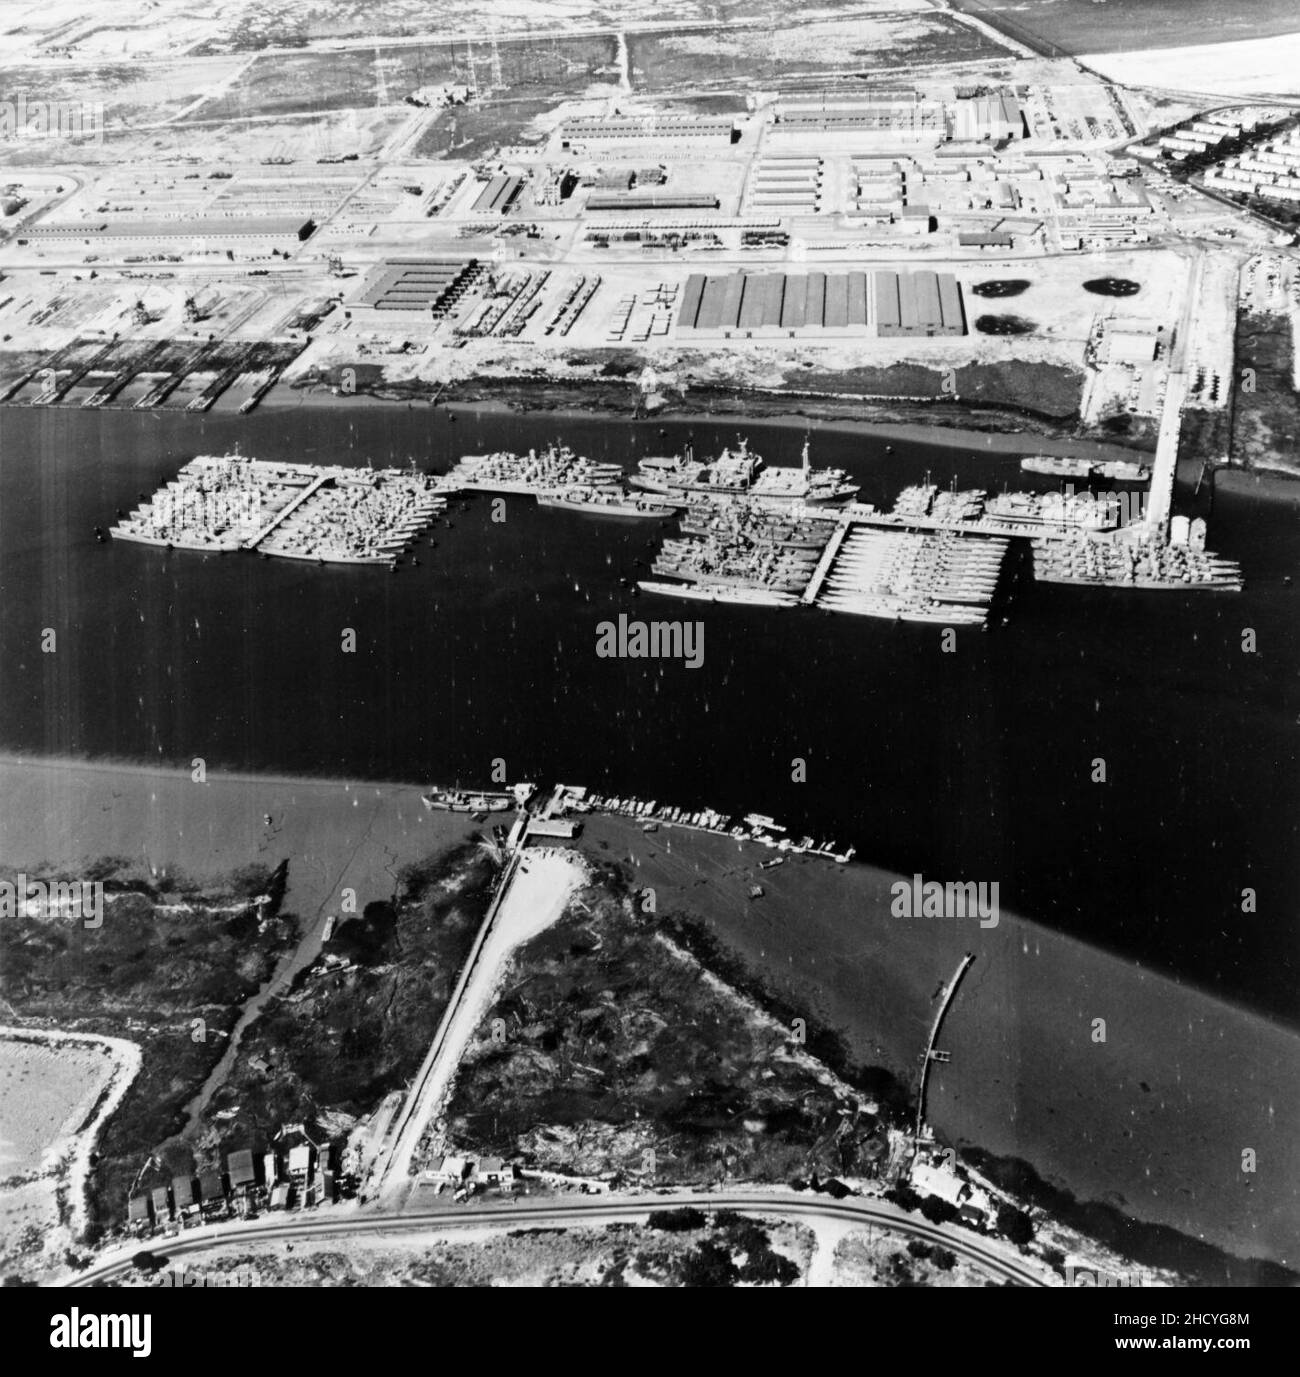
(1056, 466)
(1147, 560)
(547, 470)
(741, 473)
(617, 502)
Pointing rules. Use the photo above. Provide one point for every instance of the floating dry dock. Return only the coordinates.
(330, 515)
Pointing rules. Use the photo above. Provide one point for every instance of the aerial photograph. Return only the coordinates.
(650, 645)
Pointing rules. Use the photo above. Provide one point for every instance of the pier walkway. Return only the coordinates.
(1161, 500)
(930, 1054)
(979, 526)
(827, 560)
(317, 483)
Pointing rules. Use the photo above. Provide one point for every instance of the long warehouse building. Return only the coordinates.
(768, 305)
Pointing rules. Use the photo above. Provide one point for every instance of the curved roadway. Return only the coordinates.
(992, 1255)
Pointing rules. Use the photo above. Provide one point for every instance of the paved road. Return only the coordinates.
(587, 1211)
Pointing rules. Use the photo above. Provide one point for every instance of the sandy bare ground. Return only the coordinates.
(64, 1163)
(536, 891)
(1155, 1119)
(1249, 66)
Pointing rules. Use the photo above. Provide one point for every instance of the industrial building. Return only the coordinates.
(644, 128)
(790, 183)
(498, 195)
(918, 303)
(992, 118)
(651, 200)
(1131, 345)
(432, 285)
(916, 219)
(985, 239)
(758, 305)
(898, 117)
(291, 227)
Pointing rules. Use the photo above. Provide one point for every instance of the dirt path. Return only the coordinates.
(534, 895)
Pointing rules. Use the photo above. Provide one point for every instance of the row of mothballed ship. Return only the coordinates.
(913, 576)
(1144, 561)
(329, 515)
(755, 827)
(661, 486)
(569, 798)
(751, 534)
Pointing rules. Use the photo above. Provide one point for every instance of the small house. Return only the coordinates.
(162, 1210)
(240, 1170)
(137, 1213)
(299, 1162)
(492, 1171)
(183, 1196)
(455, 1169)
(212, 1191)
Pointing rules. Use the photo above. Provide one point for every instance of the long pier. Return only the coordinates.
(930, 1053)
(319, 481)
(827, 560)
(978, 526)
(1161, 500)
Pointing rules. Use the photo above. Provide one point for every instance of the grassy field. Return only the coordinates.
(464, 133)
(710, 57)
(344, 1036)
(550, 68)
(611, 1051)
(170, 967)
(1042, 389)
(1266, 422)
(673, 1248)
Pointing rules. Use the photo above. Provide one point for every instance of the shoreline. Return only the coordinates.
(618, 398)
(1005, 434)
(109, 764)
(997, 440)
(1142, 1121)
(1152, 1120)
(178, 775)
(336, 834)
